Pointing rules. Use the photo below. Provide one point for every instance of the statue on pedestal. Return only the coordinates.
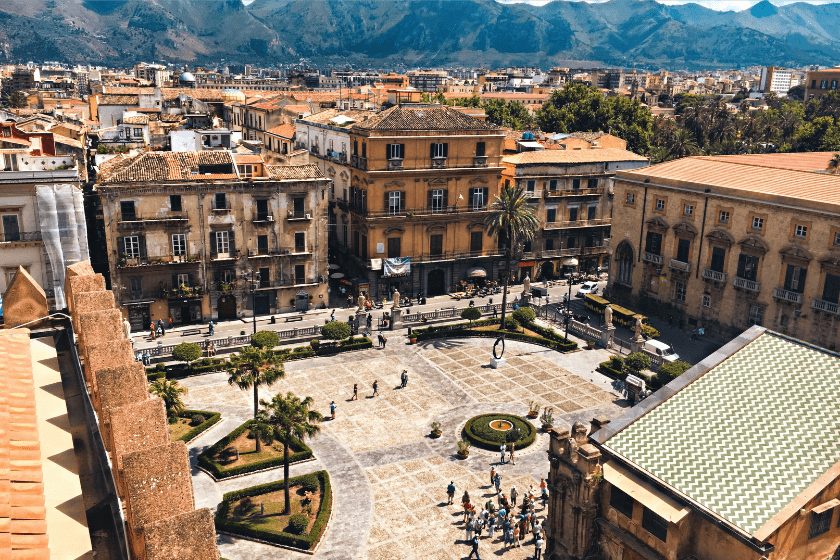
(526, 285)
(396, 300)
(361, 302)
(638, 329)
(608, 316)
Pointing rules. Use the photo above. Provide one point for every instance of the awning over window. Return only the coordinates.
(644, 492)
(476, 272)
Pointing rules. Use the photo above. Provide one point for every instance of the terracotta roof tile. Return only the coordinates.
(118, 100)
(573, 156)
(138, 119)
(283, 131)
(247, 158)
(165, 166)
(426, 118)
(299, 172)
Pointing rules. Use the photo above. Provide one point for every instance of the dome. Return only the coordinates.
(186, 77)
(233, 95)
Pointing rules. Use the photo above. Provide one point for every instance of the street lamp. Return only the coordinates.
(569, 261)
(254, 278)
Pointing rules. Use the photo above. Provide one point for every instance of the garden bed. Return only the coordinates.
(185, 430)
(239, 512)
(481, 434)
(489, 328)
(220, 460)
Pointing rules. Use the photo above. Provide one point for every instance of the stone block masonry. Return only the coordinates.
(136, 427)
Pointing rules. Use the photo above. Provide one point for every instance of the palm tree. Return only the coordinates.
(170, 393)
(254, 367)
(510, 221)
(262, 429)
(682, 144)
(834, 165)
(292, 417)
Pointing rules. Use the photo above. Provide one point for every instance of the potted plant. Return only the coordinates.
(412, 339)
(463, 449)
(533, 409)
(547, 419)
(590, 344)
(435, 430)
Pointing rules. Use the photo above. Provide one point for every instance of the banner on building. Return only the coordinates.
(400, 266)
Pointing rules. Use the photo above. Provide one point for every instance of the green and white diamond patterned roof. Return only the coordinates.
(748, 436)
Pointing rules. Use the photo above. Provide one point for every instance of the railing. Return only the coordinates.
(652, 258)
(395, 165)
(358, 162)
(185, 292)
(439, 163)
(263, 217)
(479, 161)
(536, 193)
(448, 256)
(169, 217)
(578, 223)
(15, 237)
(787, 295)
(827, 306)
(155, 260)
(572, 192)
(409, 212)
(225, 207)
(235, 341)
(714, 275)
(745, 284)
(679, 265)
(298, 216)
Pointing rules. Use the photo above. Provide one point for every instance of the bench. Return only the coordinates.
(190, 332)
(294, 318)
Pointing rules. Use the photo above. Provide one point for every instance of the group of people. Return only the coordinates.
(159, 329)
(499, 516)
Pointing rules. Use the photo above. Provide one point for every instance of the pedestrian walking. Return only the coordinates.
(465, 497)
(375, 387)
(491, 507)
(403, 379)
(332, 409)
(147, 360)
(450, 492)
(211, 328)
(467, 508)
(498, 483)
(516, 536)
(513, 494)
(355, 396)
(384, 341)
(508, 538)
(492, 475)
(153, 330)
(474, 543)
(381, 340)
(479, 527)
(349, 301)
(369, 321)
(161, 327)
(538, 546)
(512, 449)
(502, 449)
(470, 526)
(170, 322)
(491, 527)
(502, 515)
(332, 316)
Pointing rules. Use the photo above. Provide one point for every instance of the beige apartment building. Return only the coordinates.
(212, 235)
(725, 242)
(571, 191)
(820, 82)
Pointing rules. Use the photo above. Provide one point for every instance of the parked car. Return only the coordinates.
(587, 288)
(662, 350)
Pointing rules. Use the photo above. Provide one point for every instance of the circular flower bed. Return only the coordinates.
(481, 434)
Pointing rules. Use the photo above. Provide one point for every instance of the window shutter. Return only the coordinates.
(445, 198)
(803, 273)
(429, 198)
(174, 281)
(431, 150)
(486, 192)
(388, 151)
(190, 279)
(402, 151)
(402, 200)
(141, 240)
(213, 247)
(232, 242)
(386, 206)
(470, 197)
(445, 150)
(120, 247)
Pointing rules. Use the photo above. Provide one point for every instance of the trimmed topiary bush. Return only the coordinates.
(187, 352)
(310, 482)
(669, 371)
(480, 434)
(315, 343)
(511, 324)
(298, 523)
(265, 339)
(197, 419)
(471, 314)
(637, 362)
(336, 330)
(524, 315)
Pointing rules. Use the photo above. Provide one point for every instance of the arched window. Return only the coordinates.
(624, 257)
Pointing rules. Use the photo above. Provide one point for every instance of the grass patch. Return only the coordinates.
(186, 430)
(480, 434)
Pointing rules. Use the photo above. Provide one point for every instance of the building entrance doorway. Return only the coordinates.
(139, 317)
(302, 301)
(261, 305)
(227, 308)
(547, 270)
(436, 283)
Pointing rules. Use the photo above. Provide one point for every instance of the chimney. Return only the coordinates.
(597, 423)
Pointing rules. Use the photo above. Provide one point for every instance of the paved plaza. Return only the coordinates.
(388, 475)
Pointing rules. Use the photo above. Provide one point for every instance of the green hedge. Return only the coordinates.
(480, 434)
(220, 471)
(549, 338)
(212, 418)
(614, 367)
(304, 542)
(594, 303)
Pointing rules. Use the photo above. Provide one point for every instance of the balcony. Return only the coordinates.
(411, 212)
(537, 193)
(183, 291)
(452, 256)
(652, 258)
(395, 165)
(135, 221)
(298, 216)
(221, 206)
(159, 260)
(679, 265)
(480, 161)
(714, 275)
(572, 251)
(573, 192)
(359, 162)
(749, 285)
(787, 295)
(827, 306)
(20, 236)
(578, 224)
(262, 217)
(439, 163)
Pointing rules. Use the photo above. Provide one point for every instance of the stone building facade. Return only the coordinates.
(725, 242)
(213, 235)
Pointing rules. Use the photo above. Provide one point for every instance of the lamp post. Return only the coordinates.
(569, 261)
(253, 278)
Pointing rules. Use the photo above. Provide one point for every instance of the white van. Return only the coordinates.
(662, 350)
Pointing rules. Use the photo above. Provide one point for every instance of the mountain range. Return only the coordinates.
(412, 33)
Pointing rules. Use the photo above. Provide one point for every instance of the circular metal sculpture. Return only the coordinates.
(502, 352)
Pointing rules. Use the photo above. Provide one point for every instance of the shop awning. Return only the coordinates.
(138, 303)
(644, 492)
(476, 272)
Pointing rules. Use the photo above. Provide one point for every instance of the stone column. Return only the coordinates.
(607, 336)
(396, 318)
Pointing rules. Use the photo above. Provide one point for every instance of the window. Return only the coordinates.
(591, 212)
(223, 242)
(395, 202)
(621, 502)
(175, 203)
(530, 186)
(480, 149)
(706, 301)
(837, 238)
(718, 259)
(653, 243)
(573, 214)
(265, 277)
(395, 151)
(823, 84)
(437, 200)
(262, 244)
(795, 278)
(300, 274)
(833, 84)
(478, 197)
(436, 244)
(592, 184)
(688, 210)
(756, 314)
(757, 223)
(575, 184)
(131, 247)
(439, 150)
(228, 276)
(300, 242)
(724, 217)
(127, 211)
(747, 266)
(660, 204)
(571, 242)
(182, 279)
(179, 243)
(683, 250)
(135, 286)
(820, 523)
(138, 132)
(800, 231)
(220, 201)
(630, 199)
(550, 215)
(679, 291)
(655, 525)
(11, 227)
(245, 170)
(298, 207)
(476, 241)
(552, 185)
(394, 247)
(549, 244)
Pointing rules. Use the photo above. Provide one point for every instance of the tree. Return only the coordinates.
(511, 221)
(255, 367)
(292, 418)
(265, 339)
(834, 165)
(471, 314)
(797, 92)
(16, 100)
(170, 393)
(187, 352)
(524, 315)
(262, 429)
(682, 144)
(669, 371)
(336, 330)
(637, 362)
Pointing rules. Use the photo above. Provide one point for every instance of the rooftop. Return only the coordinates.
(299, 172)
(747, 431)
(573, 156)
(284, 131)
(425, 118)
(164, 166)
